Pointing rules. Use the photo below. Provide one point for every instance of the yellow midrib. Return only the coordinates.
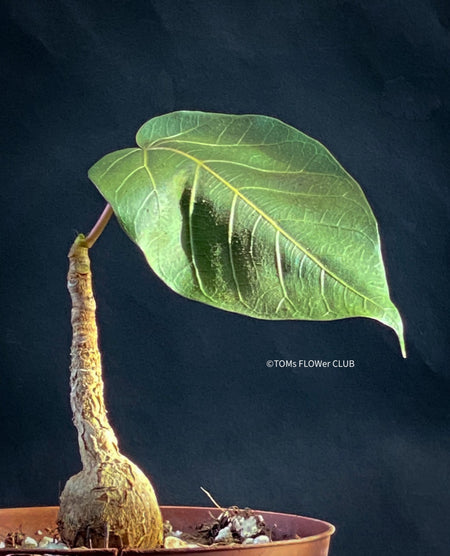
(270, 220)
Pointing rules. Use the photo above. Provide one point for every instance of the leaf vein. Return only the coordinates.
(124, 181)
(152, 179)
(322, 290)
(230, 249)
(265, 170)
(117, 160)
(171, 137)
(224, 145)
(191, 234)
(280, 272)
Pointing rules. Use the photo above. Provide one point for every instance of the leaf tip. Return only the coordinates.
(401, 339)
(397, 325)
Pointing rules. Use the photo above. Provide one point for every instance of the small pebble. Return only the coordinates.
(29, 543)
(58, 546)
(224, 535)
(175, 534)
(45, 541)
(246, 527)
(48, 542)
(261, 539)
(175, 542)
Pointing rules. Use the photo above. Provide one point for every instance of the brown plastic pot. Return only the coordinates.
(314, 534)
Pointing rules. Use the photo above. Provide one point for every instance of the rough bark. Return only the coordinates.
(110, 502)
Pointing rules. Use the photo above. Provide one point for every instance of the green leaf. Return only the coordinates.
(250, 215)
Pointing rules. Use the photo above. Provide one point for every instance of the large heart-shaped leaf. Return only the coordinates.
(250, 215)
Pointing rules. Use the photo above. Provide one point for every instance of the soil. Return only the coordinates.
(49, 538)
(232, 526)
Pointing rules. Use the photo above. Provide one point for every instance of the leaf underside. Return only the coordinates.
(249, 215)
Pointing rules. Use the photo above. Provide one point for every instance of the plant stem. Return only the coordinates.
(110, 500)
(96, 437)
(96, 231)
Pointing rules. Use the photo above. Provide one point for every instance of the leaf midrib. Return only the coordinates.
(268, 219)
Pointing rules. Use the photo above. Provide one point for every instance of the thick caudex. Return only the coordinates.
(110, 503)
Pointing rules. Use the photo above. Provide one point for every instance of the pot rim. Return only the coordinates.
(330, 530)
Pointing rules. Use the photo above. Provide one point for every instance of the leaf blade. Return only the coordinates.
(252, 216)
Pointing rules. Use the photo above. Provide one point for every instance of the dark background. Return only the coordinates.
(187, 386)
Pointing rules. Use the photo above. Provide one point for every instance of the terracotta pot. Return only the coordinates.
(315, 534)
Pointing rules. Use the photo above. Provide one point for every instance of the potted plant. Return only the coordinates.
(244, 213)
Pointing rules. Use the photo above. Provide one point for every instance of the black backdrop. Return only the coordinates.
(189, 393)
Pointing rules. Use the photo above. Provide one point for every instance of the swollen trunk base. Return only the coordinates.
(110, 502)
